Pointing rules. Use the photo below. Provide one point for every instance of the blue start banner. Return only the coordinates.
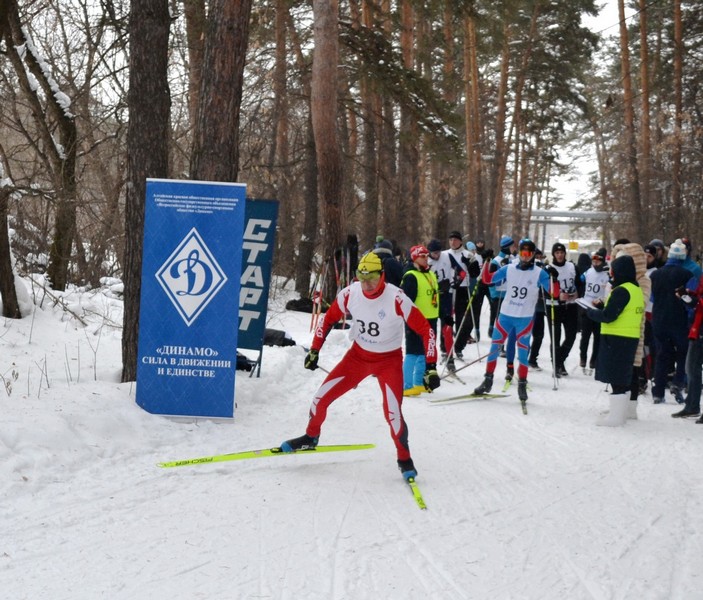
(189, 321)
(258, 245)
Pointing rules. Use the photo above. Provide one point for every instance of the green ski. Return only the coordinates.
(264, 453)
(416, 493)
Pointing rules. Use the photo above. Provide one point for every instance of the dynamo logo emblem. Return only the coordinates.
(191, 277)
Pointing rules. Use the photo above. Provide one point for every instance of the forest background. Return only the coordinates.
(362, 117)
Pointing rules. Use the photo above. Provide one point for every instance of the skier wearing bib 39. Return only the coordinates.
(379, 311)
(522, 280)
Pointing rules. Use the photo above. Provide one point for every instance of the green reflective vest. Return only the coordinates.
(629, 321)
(427, 299)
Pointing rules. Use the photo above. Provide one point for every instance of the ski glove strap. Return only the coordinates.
(311, 360)
(431, 378)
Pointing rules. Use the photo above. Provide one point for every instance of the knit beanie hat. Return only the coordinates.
(677, 250)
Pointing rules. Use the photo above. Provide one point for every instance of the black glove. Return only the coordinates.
(474, 269)
(553, 273)
(431, 378)
(311, 360)
(444, 286)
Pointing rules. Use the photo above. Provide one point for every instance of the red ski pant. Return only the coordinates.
(356, 366)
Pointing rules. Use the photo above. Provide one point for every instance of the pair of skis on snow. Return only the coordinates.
(452, 374)
(467, 397)
(270, 452)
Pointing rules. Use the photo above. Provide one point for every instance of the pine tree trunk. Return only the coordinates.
(196, 21)
(646, 155)
(147, 151)
(676, 170)
(215, 155)
(306, 248)
(324, 117)
(473, 127)
(8, 293)
(280, 151)
(405, 227)
(633, 184)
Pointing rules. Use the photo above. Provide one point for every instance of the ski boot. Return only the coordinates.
(304, 442)
(486, 385)
(678, 395)
(407, 468)
(522, 390)
(509, 373)
(451, 365)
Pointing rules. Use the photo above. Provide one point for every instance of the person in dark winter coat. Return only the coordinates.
(562, 311)
(660, 252)
(670, 323)
(594, 281)
(461, 262)
(694, 357)
(392, 267)
(620, 321)
(583, 263)
(538, 323)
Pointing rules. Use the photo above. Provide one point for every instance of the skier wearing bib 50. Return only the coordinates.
(379, 311)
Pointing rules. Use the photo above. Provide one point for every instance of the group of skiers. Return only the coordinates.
(639, 300)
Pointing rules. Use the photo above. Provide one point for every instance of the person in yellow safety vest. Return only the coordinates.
(620, 321)
(420, 285)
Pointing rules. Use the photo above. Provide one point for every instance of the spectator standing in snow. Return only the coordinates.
(670, 323)
(538, 324)
(392, 267)
(379, 311)
(460, 285)
(466, 326)
(497, 292)
(420, 285)
(636, 252)
(595, 281)
(688, 262)
(562, 312)
(694, 356)
(483, 255)
(649, 347)
(441, 266)
(660, 254)
(620, 321)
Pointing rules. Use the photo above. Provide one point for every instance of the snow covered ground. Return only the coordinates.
(544, 506)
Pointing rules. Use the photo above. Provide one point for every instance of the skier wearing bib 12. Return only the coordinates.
(379, 311)
(522, 280)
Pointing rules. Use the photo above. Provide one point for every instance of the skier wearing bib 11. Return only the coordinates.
(522, 280)
(379, 311)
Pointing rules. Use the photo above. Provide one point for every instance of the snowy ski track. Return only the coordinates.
(543, 506)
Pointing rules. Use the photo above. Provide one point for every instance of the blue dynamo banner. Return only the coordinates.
(189, 321)
(258, 244)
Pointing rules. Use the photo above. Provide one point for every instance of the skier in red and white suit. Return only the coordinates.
(378, 311)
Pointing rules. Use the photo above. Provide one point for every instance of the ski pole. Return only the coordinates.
(462, 367)
(554, 349)
(450, 353)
